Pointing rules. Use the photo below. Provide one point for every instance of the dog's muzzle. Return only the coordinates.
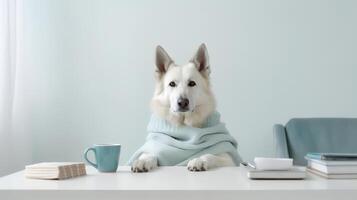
(183, 104)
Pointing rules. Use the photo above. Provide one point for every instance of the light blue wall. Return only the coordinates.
(91, 67)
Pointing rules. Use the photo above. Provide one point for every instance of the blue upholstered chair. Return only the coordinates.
(302, 135)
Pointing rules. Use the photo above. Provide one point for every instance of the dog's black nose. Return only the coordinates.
(183, 103)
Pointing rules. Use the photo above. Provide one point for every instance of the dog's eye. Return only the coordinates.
(172, 84)
(191, 83)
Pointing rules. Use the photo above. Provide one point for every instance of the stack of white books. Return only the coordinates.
(332, 166)
(55, 170)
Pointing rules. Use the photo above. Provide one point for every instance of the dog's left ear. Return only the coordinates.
(201, 60)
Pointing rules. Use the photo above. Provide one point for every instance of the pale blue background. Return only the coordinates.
(91, 65)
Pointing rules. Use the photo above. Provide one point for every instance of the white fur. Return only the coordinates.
(209, 161)
(164, 102)
(201, 104)
(146, 162)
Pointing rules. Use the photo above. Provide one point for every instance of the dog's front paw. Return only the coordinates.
(197, 164)
(143, 165)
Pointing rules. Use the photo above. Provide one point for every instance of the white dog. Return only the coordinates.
(183, 97)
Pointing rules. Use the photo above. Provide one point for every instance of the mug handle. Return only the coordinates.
(86, 158)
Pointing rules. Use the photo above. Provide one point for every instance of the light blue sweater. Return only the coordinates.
(176, 145)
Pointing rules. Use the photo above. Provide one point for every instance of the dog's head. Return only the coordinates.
(183, 93)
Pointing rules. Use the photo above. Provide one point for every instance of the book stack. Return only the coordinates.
(332, 165)
(55, 170)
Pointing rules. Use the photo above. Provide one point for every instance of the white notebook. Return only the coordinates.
(333, 169)
(292, 173)
(333, 176)
(55, 170)
(333, 162)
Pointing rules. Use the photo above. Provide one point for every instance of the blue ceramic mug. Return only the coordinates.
(106, 156)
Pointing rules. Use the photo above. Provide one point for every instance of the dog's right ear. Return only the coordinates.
(163, 60)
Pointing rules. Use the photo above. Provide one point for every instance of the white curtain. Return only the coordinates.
(13, 146)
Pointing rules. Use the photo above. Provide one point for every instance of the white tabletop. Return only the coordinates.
(173, 182)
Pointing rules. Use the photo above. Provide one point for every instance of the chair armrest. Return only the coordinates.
(280, 143)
